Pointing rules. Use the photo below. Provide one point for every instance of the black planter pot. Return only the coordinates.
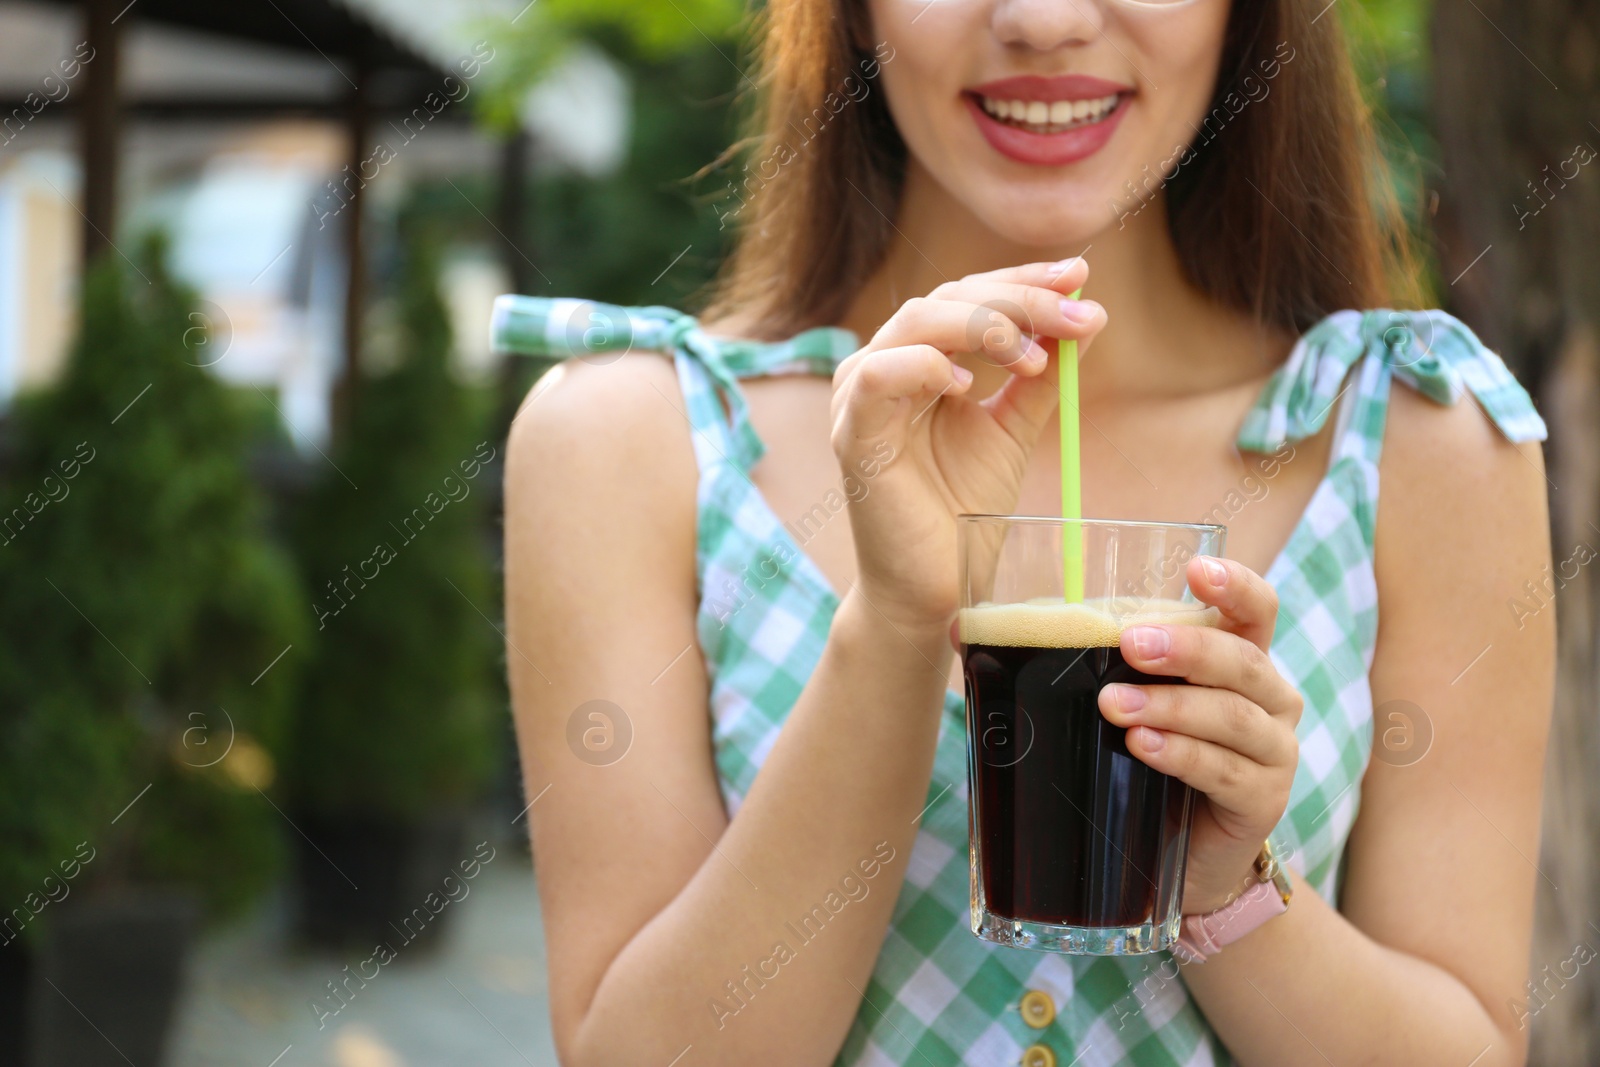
(361, 881)
(107, 977)
(16, 977)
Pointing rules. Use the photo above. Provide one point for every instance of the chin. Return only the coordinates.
(1048, 232)
(1048, 215)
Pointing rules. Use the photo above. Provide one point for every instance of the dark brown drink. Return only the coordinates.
(1068, 828)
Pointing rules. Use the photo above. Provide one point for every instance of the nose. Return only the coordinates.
(1043, 25)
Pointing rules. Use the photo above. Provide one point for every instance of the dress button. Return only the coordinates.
(1038, 1056)
(1038, 1011)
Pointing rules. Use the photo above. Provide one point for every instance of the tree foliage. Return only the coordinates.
(1389, 41)
(529, 45)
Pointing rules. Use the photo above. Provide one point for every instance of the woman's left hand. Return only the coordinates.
(1229, 733)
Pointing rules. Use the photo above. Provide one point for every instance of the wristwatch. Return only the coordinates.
(1203, 936)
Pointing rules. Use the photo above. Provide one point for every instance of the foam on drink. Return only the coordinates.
(1097, 623)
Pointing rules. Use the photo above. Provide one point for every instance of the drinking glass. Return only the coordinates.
(1075, 845)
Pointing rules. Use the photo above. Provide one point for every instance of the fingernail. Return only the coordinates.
(1151, 642)
(1065, 265)
(1151, 740)
(1079, 311)
(1127, 698)
(962, 375)
(1035, 352)
(1216, 573)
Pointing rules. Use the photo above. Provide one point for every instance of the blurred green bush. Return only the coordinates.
(140, 599)
(398, 714)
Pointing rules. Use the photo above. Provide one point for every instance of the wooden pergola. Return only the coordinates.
(380, 75)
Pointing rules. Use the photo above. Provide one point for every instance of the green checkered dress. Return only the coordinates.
(938, 995)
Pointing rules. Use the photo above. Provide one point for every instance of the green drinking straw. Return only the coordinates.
(1071, 472)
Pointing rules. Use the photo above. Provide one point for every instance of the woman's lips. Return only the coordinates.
(1046, 149)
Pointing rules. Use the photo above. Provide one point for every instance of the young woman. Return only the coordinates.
(731, 565)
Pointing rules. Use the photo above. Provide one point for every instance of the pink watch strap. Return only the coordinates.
(1203, 936)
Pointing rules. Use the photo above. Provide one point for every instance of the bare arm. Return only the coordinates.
(1427, 955)
(652, 899)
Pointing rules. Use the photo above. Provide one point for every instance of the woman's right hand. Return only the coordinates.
(950, 454)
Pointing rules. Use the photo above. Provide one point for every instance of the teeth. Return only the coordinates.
(1047, 116)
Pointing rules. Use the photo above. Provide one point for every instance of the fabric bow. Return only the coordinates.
(563, 328)
(1431, 351)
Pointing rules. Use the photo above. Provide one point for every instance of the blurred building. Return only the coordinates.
(38, 268)
(239, 144)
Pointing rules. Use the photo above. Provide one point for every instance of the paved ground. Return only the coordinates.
(479, 1002)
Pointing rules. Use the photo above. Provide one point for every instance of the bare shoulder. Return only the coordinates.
(604, 439)
(581, 413)
(600, 499)
(1463, 524)
(1451, 479)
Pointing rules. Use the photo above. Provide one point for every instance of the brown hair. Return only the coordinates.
(1280, 215)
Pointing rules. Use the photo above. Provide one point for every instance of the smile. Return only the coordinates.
(1040, 117)
(1048, 121)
